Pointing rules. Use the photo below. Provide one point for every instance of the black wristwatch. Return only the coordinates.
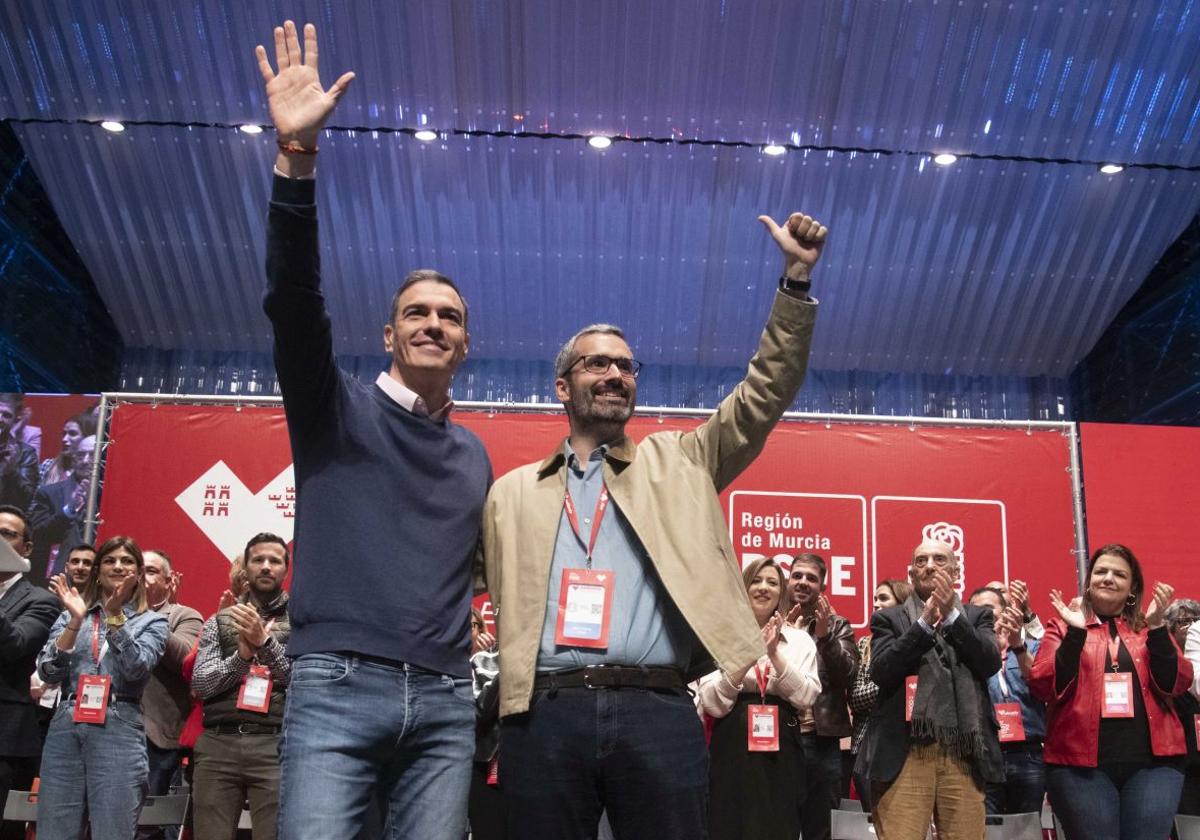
(797, 287)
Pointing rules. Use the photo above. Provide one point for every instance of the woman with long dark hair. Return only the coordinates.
(1114, 746)
(101, 651)
(755, 787)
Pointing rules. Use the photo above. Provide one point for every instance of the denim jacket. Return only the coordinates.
(132, 652)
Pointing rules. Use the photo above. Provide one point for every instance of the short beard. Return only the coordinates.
(590, 414)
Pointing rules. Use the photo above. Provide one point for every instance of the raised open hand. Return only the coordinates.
(771, 633)
(299, 106)
(1162, 596)
(801, 238)
(71, 600)
(1072, 615)
(115, 601)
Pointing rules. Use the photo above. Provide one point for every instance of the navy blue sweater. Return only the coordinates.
(388, 503)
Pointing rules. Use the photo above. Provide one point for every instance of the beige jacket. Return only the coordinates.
(666, 487)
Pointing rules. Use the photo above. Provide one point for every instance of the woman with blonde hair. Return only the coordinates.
(755, 783)
(101, 651)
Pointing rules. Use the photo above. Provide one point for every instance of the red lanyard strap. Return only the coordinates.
(1114, 646)
(96, 637)
(573, 518)
(762, 676)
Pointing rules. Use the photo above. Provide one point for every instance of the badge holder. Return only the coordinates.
(91, 698)
(255, 694)
(762, 720)
(910, 696)
(1012, 727)
(584, 608)
(1118, 687)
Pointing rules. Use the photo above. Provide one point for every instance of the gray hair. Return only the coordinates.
(566, 355)
(1177, 611)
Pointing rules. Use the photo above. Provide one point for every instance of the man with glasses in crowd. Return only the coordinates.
(614, 581)
(930, 746)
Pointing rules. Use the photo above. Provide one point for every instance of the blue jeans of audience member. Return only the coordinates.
(1024, 784)
(97, 769)
(823, 784)
(358, 732)
(640, 755)
(1114, 802)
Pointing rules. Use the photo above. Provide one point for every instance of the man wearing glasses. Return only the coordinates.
(931, 744)
(614, 582)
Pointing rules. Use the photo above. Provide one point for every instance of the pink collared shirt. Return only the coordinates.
(408, 399)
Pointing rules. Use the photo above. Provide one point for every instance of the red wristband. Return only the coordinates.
(293, 147)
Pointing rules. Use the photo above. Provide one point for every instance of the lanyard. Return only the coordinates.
(762, 677)
(1004, 690)
(1114, 645)
(573, 518)
(97, 651)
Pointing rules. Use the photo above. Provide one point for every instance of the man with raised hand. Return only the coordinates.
(931, 745)
(389, 497)
(615, 582)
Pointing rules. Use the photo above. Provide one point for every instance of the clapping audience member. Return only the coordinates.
(756, 782)
(1022, 717)
(58, 511)
(1114, 745)
(827, 722)
(102, 650)
(59, 467)
(930, 746)
(864, 692)
(18, 460)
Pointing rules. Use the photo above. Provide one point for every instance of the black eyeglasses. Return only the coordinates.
(598, 363)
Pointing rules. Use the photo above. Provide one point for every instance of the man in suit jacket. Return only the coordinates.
(58, 512)
(26, 614)
(931, 744)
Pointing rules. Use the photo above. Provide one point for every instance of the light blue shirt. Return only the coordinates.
(646, 627)
(132, 651)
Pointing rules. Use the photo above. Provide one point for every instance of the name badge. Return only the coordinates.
(493, 771)
(1196, 721)
(255, 695)
(762, 728)
(1012, 728)
(91, 698)
(910, 696)
(1118, 696)
(584, 608)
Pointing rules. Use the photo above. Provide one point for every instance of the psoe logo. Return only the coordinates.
(951, 535)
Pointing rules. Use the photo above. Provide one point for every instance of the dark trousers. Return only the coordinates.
(486, 811)
(231, 770)
(1024, 784)
(15, 774)
(636, 753)
(164, 773)
(1114, 803)
(823, 783)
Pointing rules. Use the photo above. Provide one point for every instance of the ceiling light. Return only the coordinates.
(113, 126)
(945, 159)
(425, 135)
(599, 141)
(774, 150)
(1111, 168)
(250, 128)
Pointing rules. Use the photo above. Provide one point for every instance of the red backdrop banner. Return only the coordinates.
(1143, 490)
(199, 481)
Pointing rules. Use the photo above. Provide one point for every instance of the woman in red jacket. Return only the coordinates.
(1114, 745)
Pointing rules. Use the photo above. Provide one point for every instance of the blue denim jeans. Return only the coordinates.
(638, 754)
(357, 733)
(1024, 784)
(99, 769)
(1114, 803)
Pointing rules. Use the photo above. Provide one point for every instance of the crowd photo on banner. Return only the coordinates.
(638, 670)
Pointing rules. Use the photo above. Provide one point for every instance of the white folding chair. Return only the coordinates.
(1187, 827)
(1014, 827)
(164, 810)
(21, 806)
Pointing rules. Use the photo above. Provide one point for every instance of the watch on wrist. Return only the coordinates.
(1018, 650)
(787, 284)
(115, 621)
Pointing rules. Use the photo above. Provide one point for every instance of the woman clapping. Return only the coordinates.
(101, 651)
